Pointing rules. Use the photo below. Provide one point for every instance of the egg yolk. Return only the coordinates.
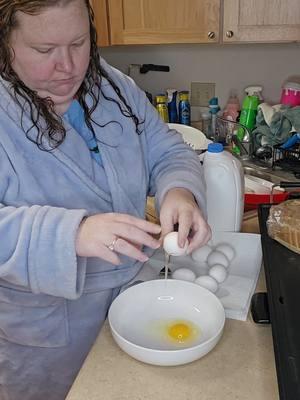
(179, 332)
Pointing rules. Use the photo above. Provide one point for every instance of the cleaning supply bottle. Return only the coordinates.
(184, 108)
(224, 178)
(232, 108)
(172, 105)
(248, 113)
(249, 107)
(213, 109)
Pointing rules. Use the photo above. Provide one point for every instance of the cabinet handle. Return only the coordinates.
(229, 34)
(211, 35)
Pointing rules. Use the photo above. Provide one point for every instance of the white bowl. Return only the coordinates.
(140, 315)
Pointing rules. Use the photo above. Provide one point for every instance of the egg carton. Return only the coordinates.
(236, 291)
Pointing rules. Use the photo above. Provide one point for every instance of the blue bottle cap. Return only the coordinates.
(215, 147)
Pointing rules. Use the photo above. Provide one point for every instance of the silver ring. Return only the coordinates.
(111, 246)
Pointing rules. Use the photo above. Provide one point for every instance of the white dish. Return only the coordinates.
(253, 184)
(138, 318)
(192, 136)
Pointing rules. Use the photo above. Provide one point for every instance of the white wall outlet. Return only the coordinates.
(201, 93)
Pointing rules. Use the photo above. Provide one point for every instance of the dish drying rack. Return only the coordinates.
(287, 159)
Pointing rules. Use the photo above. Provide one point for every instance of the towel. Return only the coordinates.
(275, 124)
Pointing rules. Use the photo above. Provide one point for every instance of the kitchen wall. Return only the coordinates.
(229, 66)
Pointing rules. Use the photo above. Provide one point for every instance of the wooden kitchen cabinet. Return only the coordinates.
(163, 21)
(261, 21)
(121, 22)
(101, 20)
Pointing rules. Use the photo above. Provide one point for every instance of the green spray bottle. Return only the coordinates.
(248, 112)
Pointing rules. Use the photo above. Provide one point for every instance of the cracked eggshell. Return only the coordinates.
(171, 246)
(218, 272)
(227, 250)
(184, 274)
(216, 257)
(207, 282)
(201, 254)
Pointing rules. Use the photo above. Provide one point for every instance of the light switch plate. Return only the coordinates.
(201, 93)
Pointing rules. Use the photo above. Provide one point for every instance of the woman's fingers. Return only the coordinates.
(106, 235)
(201, 235)
(185, 222)
(142, 224)
(127, 249)
(131, 233)
(106, 254)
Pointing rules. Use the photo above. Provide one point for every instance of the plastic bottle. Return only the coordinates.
(290, 94)
(232, 108)
(161, 106)
(172, 105)
(248, 112)
(213, 109)
(224, 178)
(206, 120)
(184, 108)
(249, 107)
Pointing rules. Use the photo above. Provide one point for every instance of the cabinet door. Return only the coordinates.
(101, 21)
(164, 21)
(261, 20)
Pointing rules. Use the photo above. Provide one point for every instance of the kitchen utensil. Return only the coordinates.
(140, 316)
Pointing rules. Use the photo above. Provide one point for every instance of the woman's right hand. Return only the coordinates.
(126, 233)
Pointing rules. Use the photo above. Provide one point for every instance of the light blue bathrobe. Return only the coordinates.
(53, 303)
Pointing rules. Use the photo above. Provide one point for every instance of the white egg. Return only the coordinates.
(227, 250)
(218, 272)
(184, 274)
(208, 282)
(201, 254)
(216, 257)
(171, 246)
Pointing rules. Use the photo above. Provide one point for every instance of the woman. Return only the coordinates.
(81, 147)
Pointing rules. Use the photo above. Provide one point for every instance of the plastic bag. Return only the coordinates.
(283, 224)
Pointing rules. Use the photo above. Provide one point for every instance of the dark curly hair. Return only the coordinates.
(47, 122)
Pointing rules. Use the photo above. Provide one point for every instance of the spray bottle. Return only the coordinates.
(248, 113)
(249, 107)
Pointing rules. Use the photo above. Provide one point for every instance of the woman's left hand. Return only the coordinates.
(179, 206)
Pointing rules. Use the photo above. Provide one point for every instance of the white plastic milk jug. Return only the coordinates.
(224, 179)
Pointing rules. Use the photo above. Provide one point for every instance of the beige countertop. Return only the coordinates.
(240, 367)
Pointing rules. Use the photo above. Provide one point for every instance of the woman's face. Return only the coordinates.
(52, 51)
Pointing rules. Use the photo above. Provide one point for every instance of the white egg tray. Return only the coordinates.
(236, 291)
